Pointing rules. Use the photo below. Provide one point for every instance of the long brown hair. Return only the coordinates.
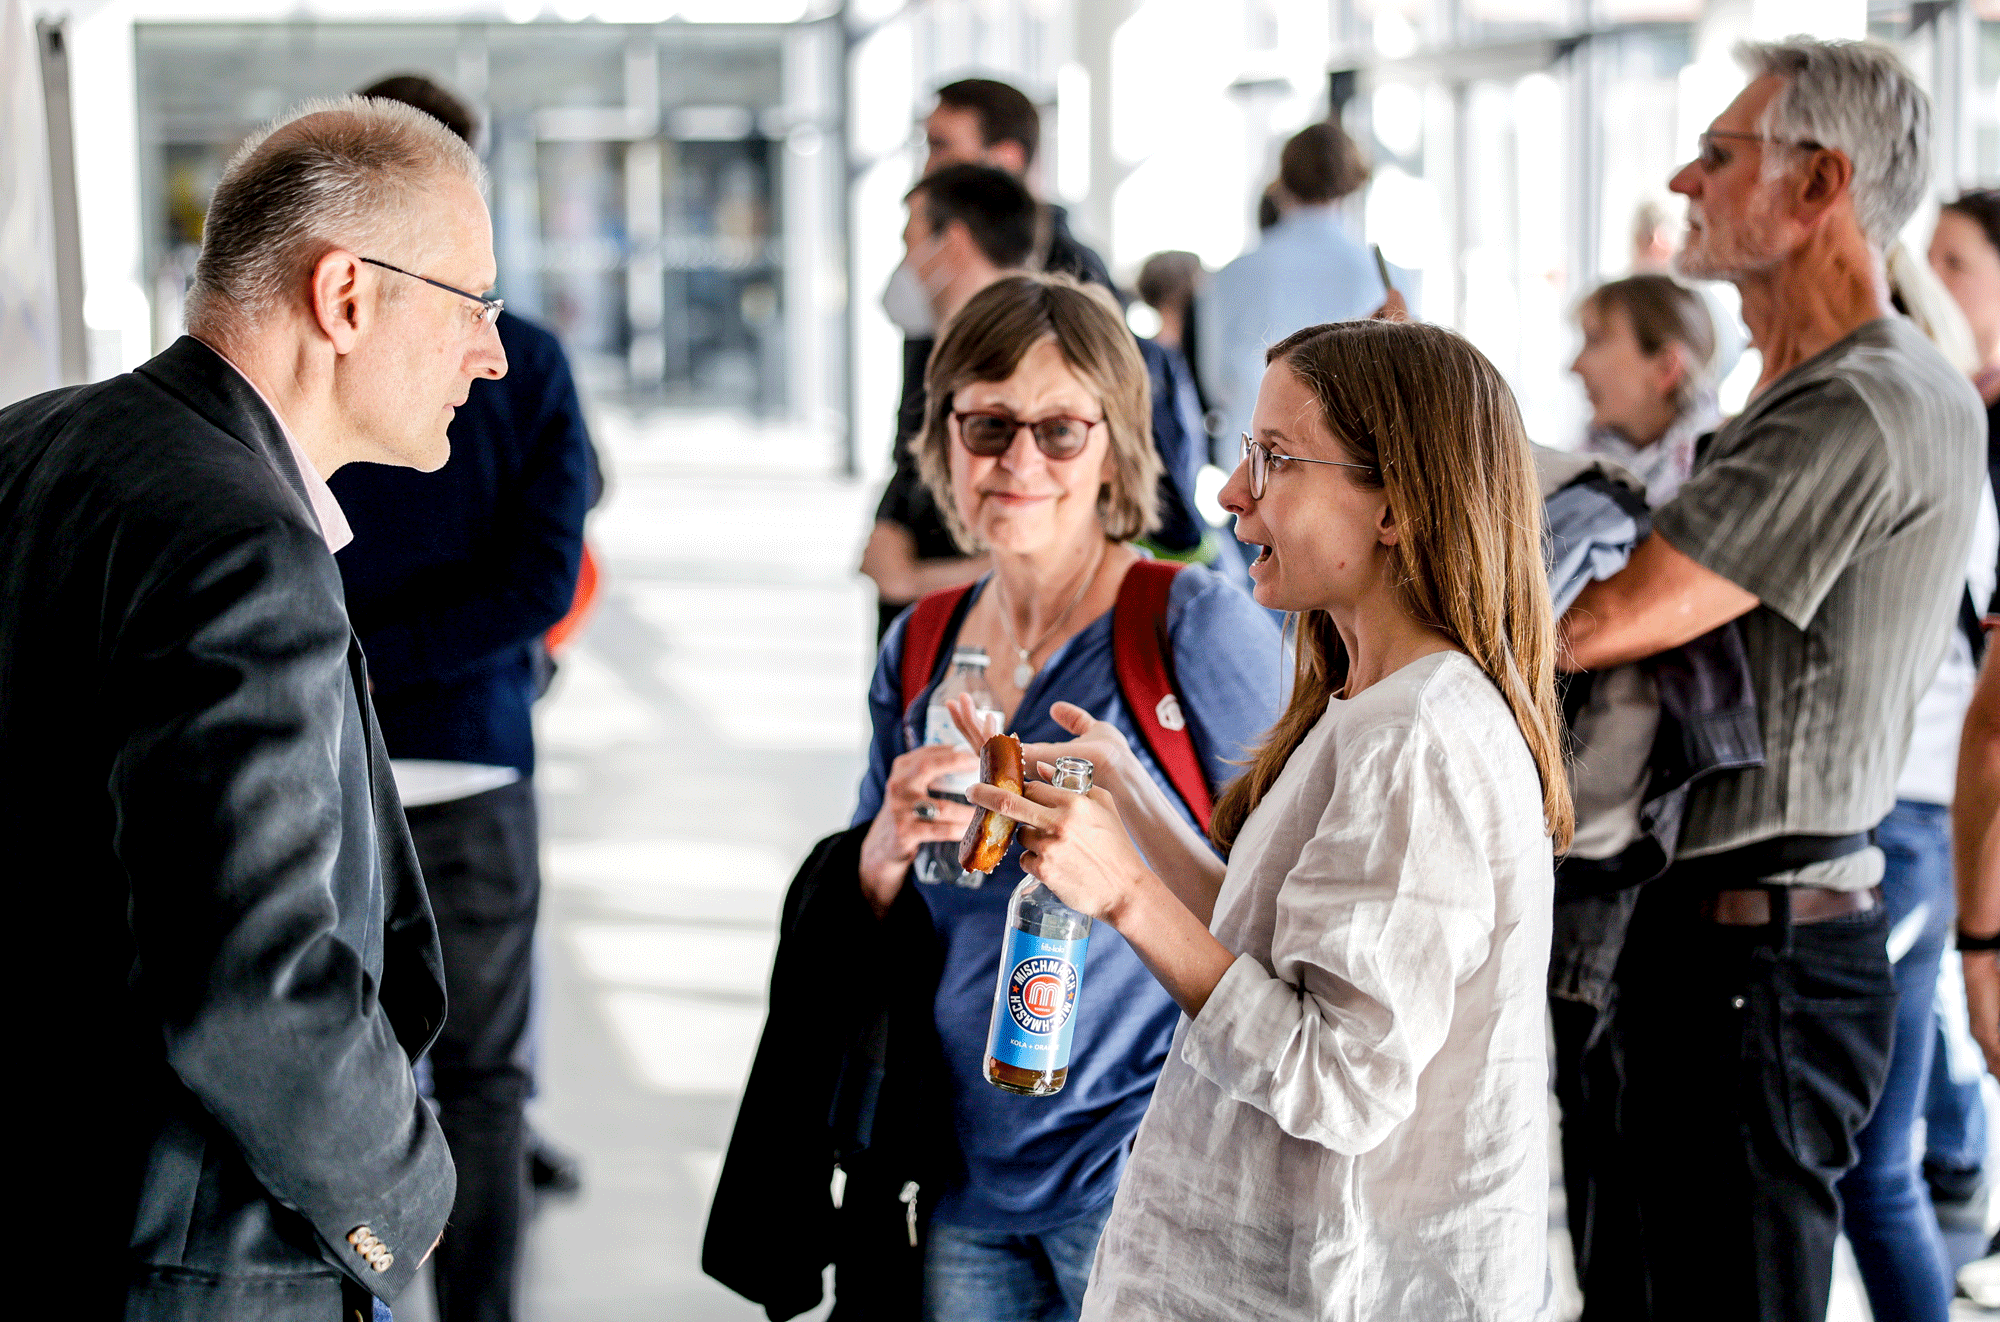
(1443, 440)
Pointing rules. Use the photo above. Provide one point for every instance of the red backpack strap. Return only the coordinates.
(923, 637)
(1141, 653)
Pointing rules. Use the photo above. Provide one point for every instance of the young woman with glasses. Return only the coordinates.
(1037, 446)
(1352, 1121)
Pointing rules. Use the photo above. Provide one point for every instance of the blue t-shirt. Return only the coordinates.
(1034, 1163)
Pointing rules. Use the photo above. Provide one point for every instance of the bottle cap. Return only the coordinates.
(970, 656)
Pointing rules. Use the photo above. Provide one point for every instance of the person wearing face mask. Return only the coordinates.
(1352, 1118)
(979, 122)
(968, 225)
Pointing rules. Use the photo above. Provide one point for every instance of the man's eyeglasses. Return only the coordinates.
(990, 434)
(1713, 157)
(489, 306)
(1262, 459)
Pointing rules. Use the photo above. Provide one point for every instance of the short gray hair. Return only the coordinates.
(331, 174)
(1857, 98)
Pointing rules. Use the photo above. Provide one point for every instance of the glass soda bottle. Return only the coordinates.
(938, 861)
(1041, 972)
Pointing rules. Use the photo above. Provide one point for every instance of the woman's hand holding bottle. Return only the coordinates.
(1073, 843)
(909, 818)
(1100, 743)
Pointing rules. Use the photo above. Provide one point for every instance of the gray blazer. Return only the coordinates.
(222, 954)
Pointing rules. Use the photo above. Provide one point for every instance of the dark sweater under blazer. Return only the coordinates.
(222, 954)
(454, 576)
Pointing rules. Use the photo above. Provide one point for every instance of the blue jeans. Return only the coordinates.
(990, 1276)
(1886, 1208)
(1954, 1112)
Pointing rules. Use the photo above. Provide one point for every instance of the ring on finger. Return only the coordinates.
(925, 811)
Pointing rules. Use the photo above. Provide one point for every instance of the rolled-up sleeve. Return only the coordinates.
(1389, 908)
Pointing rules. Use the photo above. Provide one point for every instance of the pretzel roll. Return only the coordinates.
(988, 835)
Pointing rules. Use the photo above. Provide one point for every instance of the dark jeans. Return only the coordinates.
(481, 865)
(1589, 1080)
(1753, 1056)
(1888, 1210)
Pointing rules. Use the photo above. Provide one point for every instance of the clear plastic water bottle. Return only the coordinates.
(938, 861)
(1041, 974)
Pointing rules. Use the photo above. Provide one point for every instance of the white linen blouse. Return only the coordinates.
(1356, 1125)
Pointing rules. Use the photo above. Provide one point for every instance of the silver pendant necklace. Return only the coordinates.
(1024, 670)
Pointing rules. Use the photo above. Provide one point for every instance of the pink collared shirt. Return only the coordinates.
(333, 525)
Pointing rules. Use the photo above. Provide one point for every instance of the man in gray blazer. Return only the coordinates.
(223, 957)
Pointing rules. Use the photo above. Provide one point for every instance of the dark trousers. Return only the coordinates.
(481, 864)
(1589, 1081)
(1752, 1056)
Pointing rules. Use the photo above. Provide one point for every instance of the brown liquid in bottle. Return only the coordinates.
(1028, 1083)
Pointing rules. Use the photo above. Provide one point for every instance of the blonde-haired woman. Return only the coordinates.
(1038, 446)
(1352, 1122)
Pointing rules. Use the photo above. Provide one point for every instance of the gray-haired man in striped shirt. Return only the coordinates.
(1830, 522)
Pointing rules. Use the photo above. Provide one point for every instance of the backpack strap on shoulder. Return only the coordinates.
(932, 619)
(1142, 656)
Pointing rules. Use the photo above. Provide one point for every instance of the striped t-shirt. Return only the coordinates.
(1843, 497)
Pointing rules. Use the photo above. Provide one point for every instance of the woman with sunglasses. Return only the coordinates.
(1038, 450)
(1352, 1122)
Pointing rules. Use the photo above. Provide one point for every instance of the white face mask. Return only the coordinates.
(908, 303)
(907, 300)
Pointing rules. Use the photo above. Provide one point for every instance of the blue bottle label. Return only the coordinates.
(1034, 1013)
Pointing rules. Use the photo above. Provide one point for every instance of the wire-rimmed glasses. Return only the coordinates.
(489, 306)
(1262, 457)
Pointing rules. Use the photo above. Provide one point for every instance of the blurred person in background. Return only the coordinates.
(224, 931)
(1965, 254)
(1306, 269)
(1169, 283)
(1036, 441)
(981, 122)
(1647, 346)
(452, 578)
(1656, 237)
(1975, 851)
(1755, 999)
(1644, 365)
(968, 226)
(1886, 1210)
(1268, 212)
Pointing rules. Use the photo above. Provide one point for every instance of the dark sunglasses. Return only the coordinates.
(991, 434)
